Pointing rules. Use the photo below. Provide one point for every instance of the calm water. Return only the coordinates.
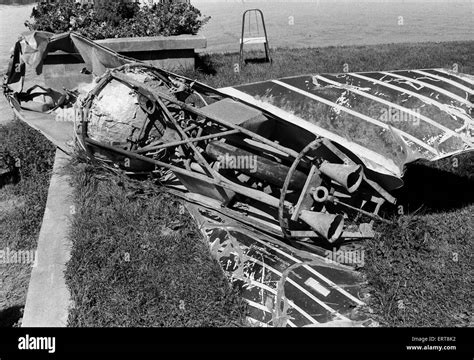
(311, 24)
(293, 24)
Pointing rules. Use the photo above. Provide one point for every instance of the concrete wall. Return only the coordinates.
(168, 52)
(48, 299)
(61, 70)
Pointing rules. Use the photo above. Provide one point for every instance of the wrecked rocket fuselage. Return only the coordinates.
(319, 152)
(387, 118)
(142, 119)
(316, 158)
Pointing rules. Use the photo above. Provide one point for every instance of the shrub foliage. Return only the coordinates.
(114, 19)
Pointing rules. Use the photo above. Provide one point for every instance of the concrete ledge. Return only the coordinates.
(154, 43)
(48, 298)
(168, 52)
(64, 75)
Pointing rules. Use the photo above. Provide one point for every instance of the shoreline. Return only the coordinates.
(280, 48)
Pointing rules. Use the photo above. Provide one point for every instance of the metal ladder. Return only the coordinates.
(254, 39)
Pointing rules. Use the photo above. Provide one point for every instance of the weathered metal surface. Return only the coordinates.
(118, 121)
(340, 140)
(386, 118)
(310, 289)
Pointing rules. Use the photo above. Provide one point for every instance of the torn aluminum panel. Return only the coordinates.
(283, 286)
(387, 118)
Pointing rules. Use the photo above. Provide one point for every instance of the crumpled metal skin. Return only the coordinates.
(387, 118)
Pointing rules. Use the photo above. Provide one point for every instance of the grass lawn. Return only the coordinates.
(21, 212)
(218, 70)
(420, 272)
(138, 259)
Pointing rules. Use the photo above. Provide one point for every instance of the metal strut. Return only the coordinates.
(254, 39)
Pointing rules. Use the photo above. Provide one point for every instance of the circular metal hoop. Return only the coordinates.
(284, 190)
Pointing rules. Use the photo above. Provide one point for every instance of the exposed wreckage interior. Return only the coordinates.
(249, 153)
(227, 151)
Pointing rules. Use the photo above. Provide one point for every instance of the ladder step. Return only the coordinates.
(254, 40)
(252, 37)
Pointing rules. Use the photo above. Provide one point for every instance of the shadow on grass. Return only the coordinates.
(10, 316)
(12, 177)
(418, 271)
(443, 185)
(204, 64)
(259, 60)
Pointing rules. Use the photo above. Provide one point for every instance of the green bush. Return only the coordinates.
(114, 19)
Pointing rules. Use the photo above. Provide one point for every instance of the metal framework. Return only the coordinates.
(254, 40)
(296, 213)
